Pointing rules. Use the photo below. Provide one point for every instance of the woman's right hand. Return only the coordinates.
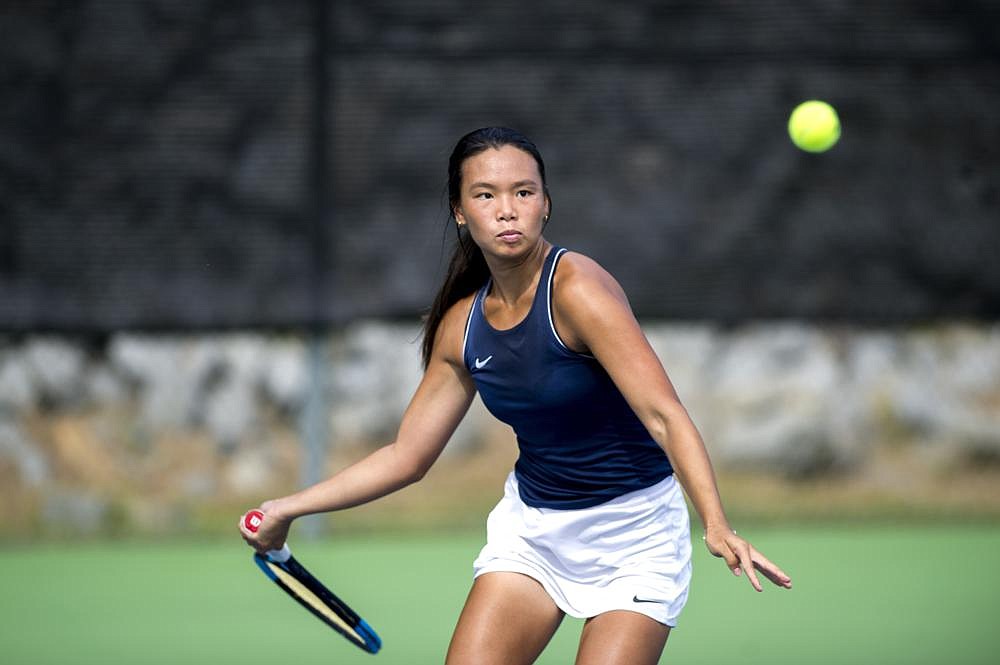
(271, 533)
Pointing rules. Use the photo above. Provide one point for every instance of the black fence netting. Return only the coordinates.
(207, 164)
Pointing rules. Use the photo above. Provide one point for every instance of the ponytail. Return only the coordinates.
(467, 271)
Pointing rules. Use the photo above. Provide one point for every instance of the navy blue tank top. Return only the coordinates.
(580, 443)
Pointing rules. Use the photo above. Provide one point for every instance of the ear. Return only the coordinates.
(459, 215)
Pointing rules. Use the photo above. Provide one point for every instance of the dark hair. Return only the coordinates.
(467, 270)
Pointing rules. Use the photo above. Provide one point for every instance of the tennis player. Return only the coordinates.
(593, 521)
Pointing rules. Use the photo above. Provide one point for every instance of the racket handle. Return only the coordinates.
(280, 556)
(252, 522)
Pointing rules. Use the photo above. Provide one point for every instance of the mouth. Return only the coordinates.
(509, 234)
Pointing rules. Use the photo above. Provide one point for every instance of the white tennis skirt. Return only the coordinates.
(630, 553)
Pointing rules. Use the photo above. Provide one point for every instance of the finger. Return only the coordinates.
(726, 554)
(746, 563)
(771, 570)
(249, 537)
(732, 559)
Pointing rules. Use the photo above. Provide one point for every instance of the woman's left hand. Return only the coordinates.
(741, 556)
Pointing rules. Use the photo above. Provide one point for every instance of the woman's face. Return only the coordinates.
(502, 201)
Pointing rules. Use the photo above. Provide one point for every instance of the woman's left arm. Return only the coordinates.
(592, 314)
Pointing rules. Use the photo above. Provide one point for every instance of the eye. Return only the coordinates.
(483, 196)
(525, 193)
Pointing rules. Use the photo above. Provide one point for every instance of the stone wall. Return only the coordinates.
(107, 436)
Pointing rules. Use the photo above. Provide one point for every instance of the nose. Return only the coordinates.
(505, 211)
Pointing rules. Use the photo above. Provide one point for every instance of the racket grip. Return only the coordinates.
(280, 556)
(252, 522)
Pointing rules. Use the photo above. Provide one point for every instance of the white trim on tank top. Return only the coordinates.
(468, 322)
(548, 305)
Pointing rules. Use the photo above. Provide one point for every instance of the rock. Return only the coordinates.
(230, 413)
(686, 352)
(948, 391)
(771, 399)
(17, 386)
(373, 375)
(57, 368)
(103, 387)
(230, 406)
(170, 375)
(28, 459)
(71, 512)
(285, 374)
(248, 472)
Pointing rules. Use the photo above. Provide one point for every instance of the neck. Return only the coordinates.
(514, 279)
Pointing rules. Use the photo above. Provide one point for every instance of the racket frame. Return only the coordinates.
(285, 571)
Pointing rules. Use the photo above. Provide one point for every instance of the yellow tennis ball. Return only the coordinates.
(814, 126)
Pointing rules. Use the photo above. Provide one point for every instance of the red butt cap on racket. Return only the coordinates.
(252, 521)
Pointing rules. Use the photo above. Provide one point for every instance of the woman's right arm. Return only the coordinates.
(438, 405)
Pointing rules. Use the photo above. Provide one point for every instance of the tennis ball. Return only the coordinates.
(814, 126)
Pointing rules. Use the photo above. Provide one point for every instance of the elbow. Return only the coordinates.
(411, 469)
(663, 422)
(415, 474)
(658, 428)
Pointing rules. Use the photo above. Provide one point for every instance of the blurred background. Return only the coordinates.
(220, 224)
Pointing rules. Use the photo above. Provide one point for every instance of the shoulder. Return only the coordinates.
(579, 276)
(459, 312)
(448, 341)
(587, 301)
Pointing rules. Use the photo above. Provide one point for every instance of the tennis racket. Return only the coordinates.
(297, 582)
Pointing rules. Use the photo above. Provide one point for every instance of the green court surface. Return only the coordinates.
(862, 595)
